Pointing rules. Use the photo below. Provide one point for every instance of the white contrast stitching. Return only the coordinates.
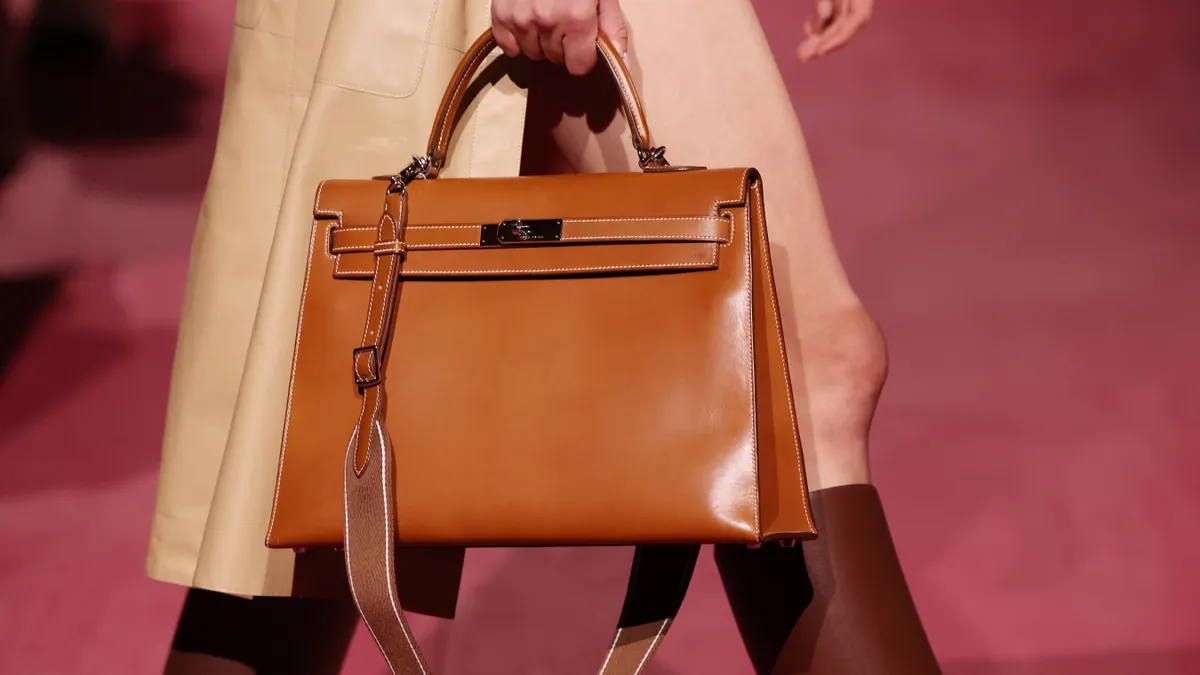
(389, 288)
(662, 628)
(637, 123)
(599, 268)
(317, 206)
(287, 418)
(371, 301)
(609, 656)
(616, 237)
(762, 228)
(339, 214)
(639, 219)
(389, 549)
(442, 148)
(717, 203)
(643, 219)
(327, 249)
(752, 375)
(349, 466)
(473, 243)
(662, 237)
(741, 198)
(448, 245)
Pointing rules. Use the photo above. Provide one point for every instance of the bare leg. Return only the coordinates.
(714, 97)
(225, 635)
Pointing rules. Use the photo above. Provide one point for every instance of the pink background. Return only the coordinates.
(1013, 188)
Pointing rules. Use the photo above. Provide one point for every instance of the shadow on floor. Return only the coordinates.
(544, 610)
(80, 91)
(60, 372)
(22, 302)
(1180, 662)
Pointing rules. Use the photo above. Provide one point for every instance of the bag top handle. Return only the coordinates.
(649, 157)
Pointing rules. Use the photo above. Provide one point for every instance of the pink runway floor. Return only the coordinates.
(1013, 188)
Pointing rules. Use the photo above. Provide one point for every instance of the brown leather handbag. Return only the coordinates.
(568, 360)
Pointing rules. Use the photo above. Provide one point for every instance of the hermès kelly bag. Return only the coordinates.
(551, 360)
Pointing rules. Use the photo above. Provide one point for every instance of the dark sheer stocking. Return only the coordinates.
(225, 635)
(835, 606)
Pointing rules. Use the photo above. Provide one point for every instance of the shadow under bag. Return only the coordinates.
(549, 360)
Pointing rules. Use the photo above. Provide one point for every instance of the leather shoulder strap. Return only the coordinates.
(660, 574)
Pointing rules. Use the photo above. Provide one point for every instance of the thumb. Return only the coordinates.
(612, 23)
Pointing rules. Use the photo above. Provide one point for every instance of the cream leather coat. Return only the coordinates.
(320, 89)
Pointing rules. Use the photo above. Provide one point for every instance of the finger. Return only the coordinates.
(502, 22)
(505, 38)
(808, 49)
(811, 25)
(523, 24)
(579, 49)
(824, 13)
(840, 32)
(551, 42)
(612, 22)
(528, 38)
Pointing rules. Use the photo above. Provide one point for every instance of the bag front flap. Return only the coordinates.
(540, 225)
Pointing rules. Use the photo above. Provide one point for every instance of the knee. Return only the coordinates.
(845, 364)
(855, 354)
(865, 362)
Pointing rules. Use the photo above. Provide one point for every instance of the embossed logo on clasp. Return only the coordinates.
(519, 231)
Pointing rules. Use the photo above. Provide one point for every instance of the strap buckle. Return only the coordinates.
(366, 366)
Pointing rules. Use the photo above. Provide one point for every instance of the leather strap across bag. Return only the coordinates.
(540, 361)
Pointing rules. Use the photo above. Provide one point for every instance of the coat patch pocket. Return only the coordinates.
(377, 46)
(249, 13)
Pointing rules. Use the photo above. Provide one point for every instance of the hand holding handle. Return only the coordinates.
(649, 157)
